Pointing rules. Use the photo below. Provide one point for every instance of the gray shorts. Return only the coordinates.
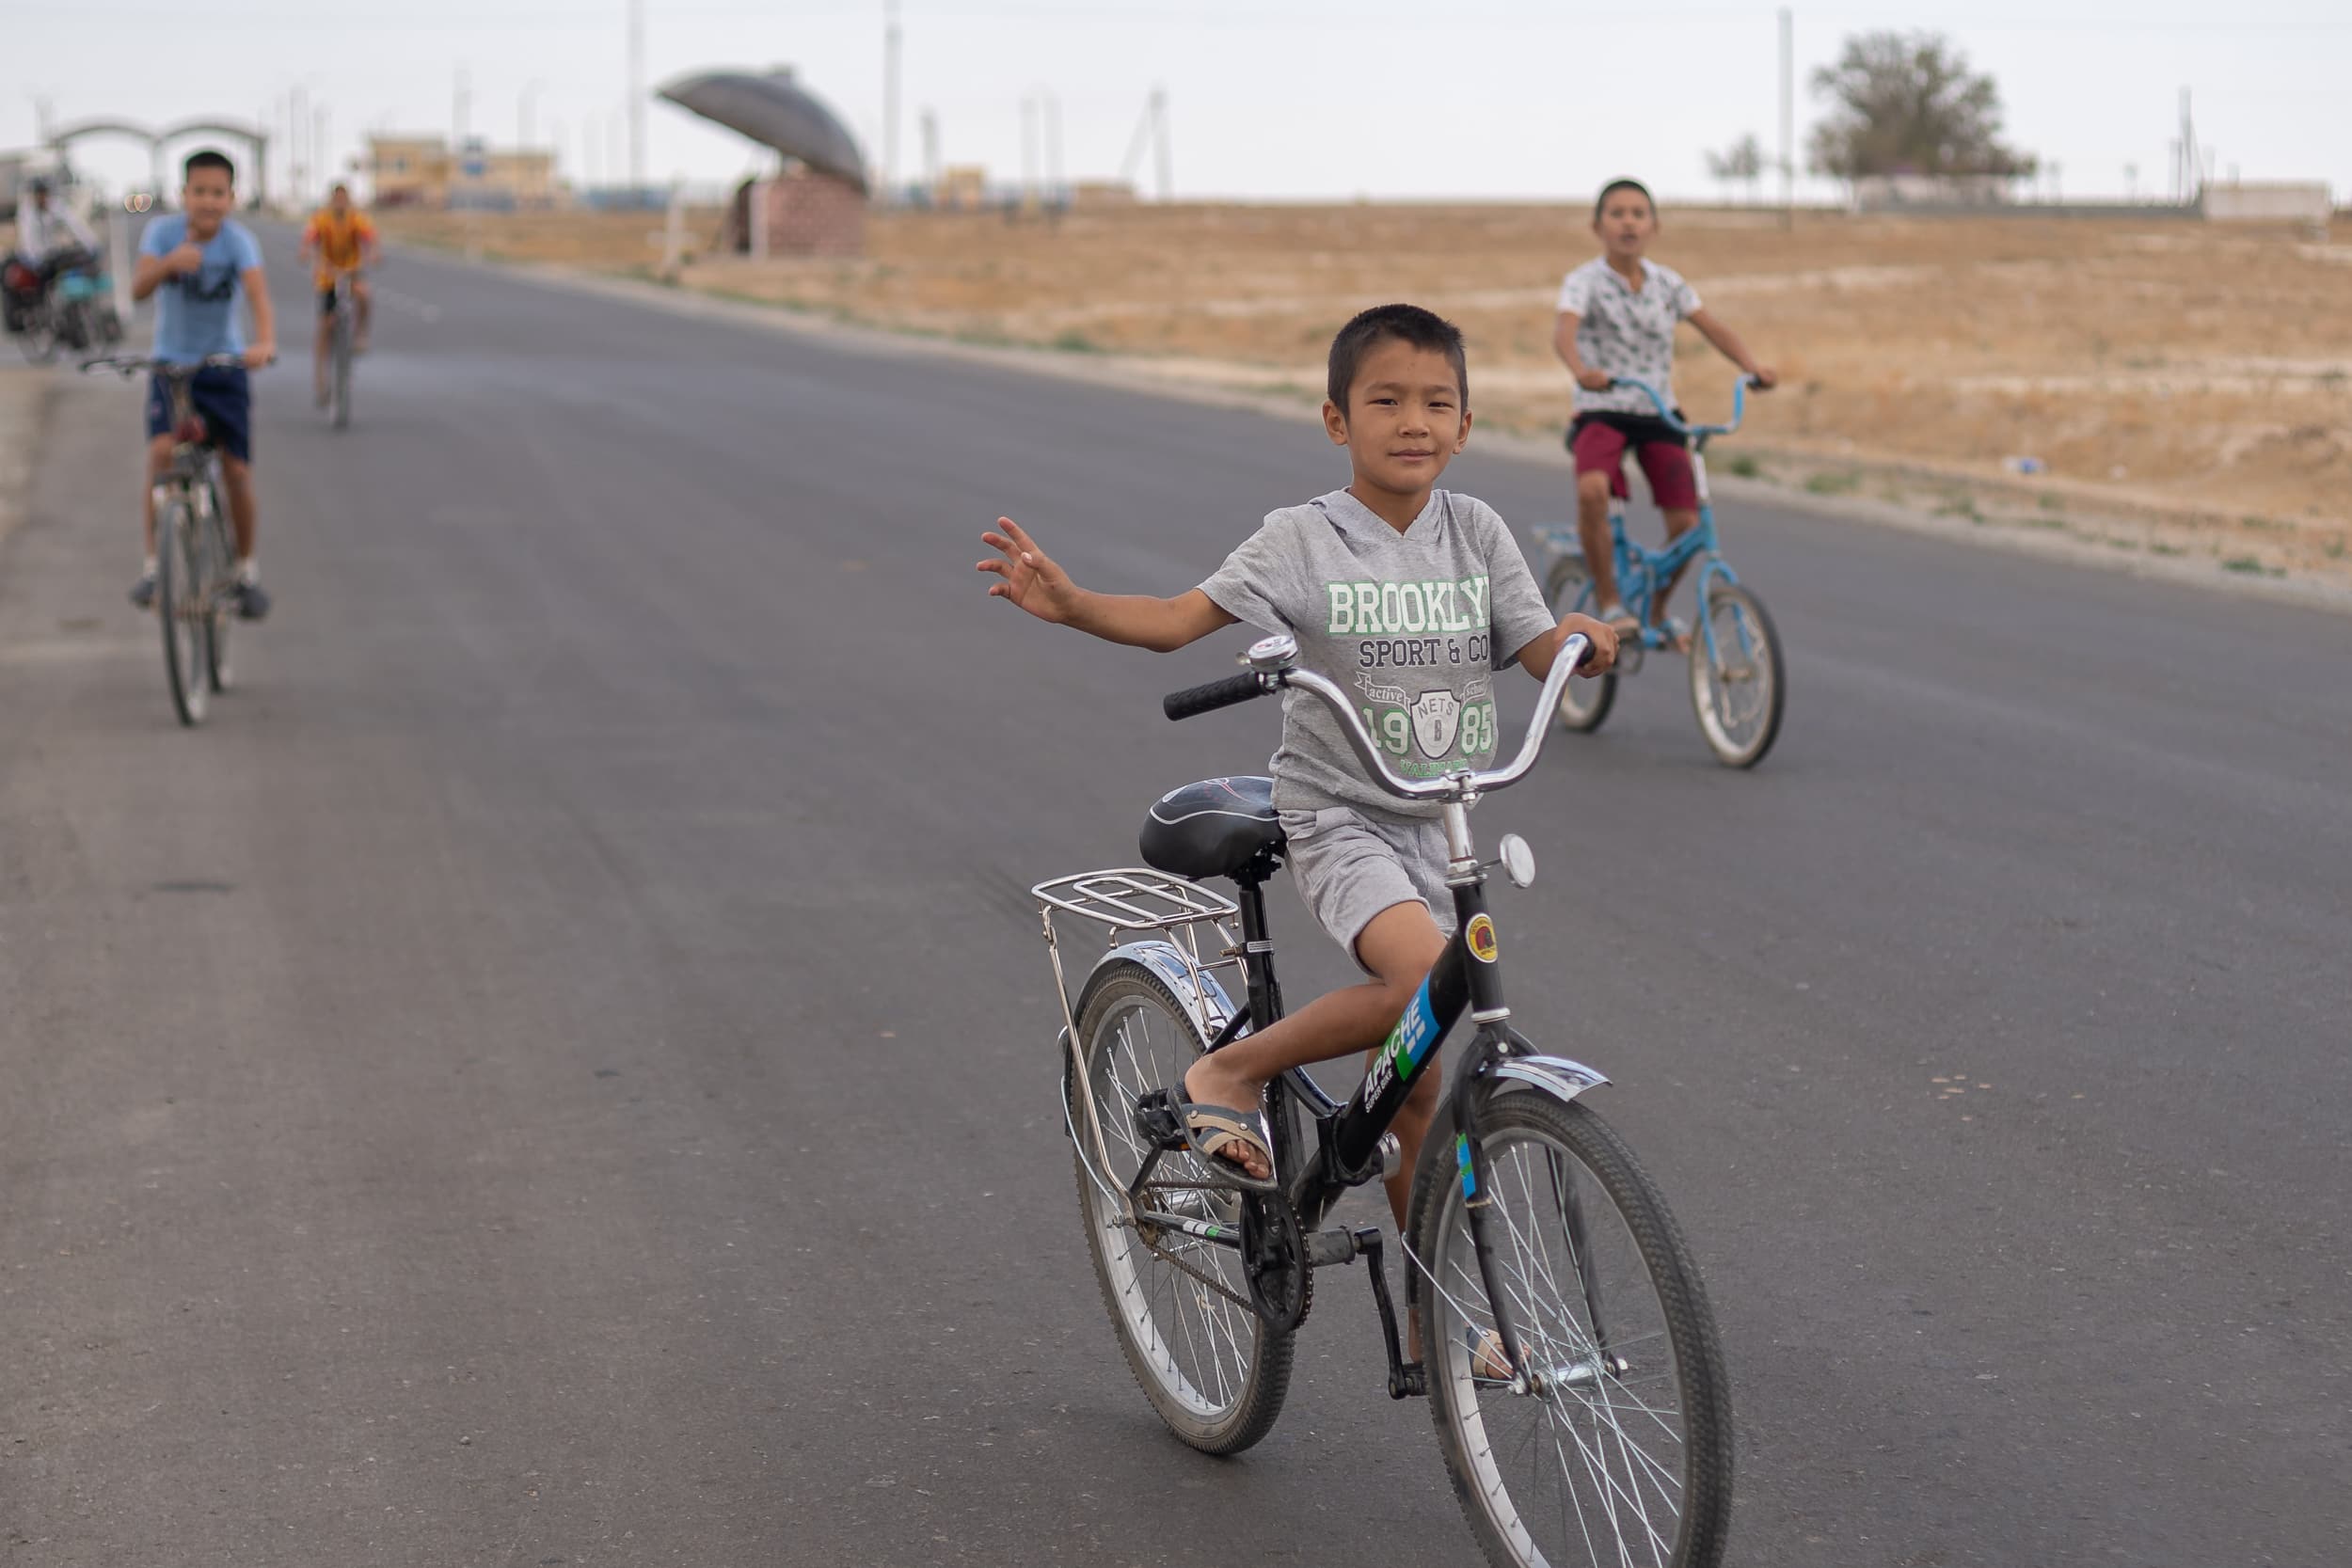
(1350, 866)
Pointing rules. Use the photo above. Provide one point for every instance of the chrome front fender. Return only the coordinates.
(1562, 1077)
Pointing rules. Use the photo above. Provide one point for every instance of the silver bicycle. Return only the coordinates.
(196, 579)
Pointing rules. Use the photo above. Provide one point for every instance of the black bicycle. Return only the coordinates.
(195, 578)
(1565, 1342)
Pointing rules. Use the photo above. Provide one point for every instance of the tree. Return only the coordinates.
(1743, 160)
(1907, 103)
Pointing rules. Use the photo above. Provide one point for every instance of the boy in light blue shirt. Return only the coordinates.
(199, 264)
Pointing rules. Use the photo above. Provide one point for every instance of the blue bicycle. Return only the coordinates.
(1737, 682)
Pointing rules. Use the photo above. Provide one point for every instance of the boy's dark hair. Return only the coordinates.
(206, 157)
(1613, 188)
(1409, 324)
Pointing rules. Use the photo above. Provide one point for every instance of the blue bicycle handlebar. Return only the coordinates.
(1739, 406)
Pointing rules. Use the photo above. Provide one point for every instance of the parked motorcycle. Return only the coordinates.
(72, 308)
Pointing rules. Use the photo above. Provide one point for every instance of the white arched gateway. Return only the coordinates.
(255, 140)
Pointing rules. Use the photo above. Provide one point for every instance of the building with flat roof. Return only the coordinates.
(424, 171)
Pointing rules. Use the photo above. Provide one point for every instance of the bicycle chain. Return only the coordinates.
(1298, 1229)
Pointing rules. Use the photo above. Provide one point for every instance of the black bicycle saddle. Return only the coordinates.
(1211, 829)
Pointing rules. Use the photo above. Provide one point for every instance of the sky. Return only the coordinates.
(1267, 99)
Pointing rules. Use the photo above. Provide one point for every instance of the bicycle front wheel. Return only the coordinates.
(1583, 703)
(341, 391)
(222, 555)
(1619, 1452)
(182, 586)
(1738, 683)
(1212, 1368)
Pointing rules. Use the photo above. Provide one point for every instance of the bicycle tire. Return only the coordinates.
(342, 364)
(220, 551)
(1584, 704)
(1157, 1340)
(1582, 1156)
(1747, 647)
(179, 587)
(37, 340)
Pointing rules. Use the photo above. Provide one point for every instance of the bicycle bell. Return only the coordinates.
(1516, 860)
(1278, 652)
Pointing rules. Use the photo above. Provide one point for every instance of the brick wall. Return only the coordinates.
(813, 214)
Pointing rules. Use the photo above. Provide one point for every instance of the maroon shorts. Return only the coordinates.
(1599, 448)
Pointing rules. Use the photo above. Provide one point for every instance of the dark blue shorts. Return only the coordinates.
(223, 397)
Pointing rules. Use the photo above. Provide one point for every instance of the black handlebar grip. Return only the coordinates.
(1216, 695)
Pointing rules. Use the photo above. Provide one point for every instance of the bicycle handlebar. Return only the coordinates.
(131, 364)
(1274, 665)
(1208, 698)
(1739, 406)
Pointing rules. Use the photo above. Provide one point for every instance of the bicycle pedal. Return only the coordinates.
(1156, 1121)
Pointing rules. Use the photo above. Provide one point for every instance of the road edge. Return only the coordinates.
(1133, 373)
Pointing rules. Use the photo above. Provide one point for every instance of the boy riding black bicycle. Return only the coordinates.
(1411, 597)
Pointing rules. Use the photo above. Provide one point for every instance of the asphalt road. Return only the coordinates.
(560, 1069)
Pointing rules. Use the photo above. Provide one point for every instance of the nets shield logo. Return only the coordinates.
(1436, 716)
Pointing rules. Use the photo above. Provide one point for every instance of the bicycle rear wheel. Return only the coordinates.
(1583, 704)
(181, 588)
(1737, 682)
(37, 339)
(1212, 1368)
(1620, 1453)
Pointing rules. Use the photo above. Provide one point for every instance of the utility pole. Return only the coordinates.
(890, 98)
(297, 128)
(1052, 147)
(1028, 147)
(636, 93)
(458, 97)
(323, 147)
(524, 103)
(1159, 122)
(2191, 189)
(930, 151)
(1788, 120)
(1150, 130)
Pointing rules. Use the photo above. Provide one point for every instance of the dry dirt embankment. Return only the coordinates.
(2184, 390)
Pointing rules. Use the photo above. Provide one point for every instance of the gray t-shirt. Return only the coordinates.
(1626, 332)
(1413, 624)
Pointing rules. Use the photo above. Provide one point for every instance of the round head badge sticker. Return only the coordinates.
(1479, 938)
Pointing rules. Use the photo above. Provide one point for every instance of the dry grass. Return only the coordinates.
(2196, 379)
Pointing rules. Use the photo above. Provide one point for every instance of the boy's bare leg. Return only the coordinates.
(1592, 531)
(321, 342)
(158, 460)
(239, 477)
(1398, 947)
(362, 296)
(1679, 521)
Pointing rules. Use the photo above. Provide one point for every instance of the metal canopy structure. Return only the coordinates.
(774, 110)
(157, 139)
